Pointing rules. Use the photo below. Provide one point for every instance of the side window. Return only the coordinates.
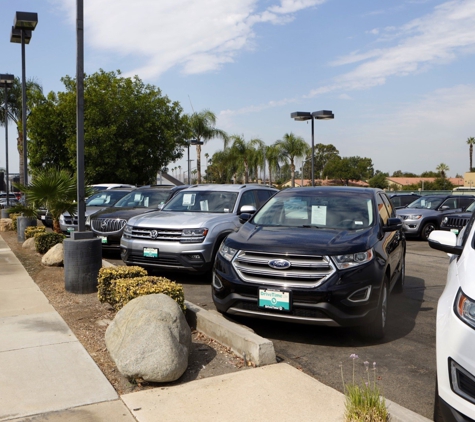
(263, 196)
(465, 202)
(382, 210)
(248, 198)
(388, 204)
(451, 203)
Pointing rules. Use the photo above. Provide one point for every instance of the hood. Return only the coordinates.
(309, 241)
(123, 213)
(417, 211)
(173, 219)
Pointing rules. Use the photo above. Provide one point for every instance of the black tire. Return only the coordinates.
(399, 286)
(376, 328)
(427, 230)
(437, 410)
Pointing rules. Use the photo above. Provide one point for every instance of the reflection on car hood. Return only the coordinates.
(416, 211)
(123, 213)
(309, 241)
(172, 219)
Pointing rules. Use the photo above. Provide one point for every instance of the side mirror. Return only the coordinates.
(160, 206)
(444, 241)
(392, 225)
(249, 209)
(245, 216)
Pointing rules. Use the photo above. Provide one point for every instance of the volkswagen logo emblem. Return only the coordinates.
(279, 264)
(153, 234)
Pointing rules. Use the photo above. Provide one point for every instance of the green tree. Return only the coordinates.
(470, 142)
(349, 168)
(379, 180)
(131, 130)
(399, 173)
(34, 97)
(442, 169)
(273, 157)
(292, 147)
(429, 173)
(51, 188)
(203, 128)
(323, 154)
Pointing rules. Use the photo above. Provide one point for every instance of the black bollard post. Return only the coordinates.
(21, 224)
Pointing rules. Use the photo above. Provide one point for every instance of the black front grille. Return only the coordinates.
(298, 312)
(169, 261)
(107, 225)
(456, 222)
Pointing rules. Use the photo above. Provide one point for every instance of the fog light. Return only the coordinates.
(361, 295)
(195, 257)
(217, 282)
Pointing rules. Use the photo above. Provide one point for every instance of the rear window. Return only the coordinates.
(202, 201)
(144, 199)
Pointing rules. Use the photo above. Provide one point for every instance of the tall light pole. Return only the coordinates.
(6, 81)
(306, 115)
(23, 24)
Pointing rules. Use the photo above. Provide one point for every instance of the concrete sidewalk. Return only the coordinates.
(47, 375)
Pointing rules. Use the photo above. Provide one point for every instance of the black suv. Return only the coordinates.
(403, 199)
(324, 256)
(109, 223)
(457, 221)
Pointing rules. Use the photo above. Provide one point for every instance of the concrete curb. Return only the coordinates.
(242, 341)
(401, 414)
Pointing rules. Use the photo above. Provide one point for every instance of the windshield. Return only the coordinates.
(105, 198)
(143, 199)
(426, 202)
(202, 201)
(471, 207)
(341, 210)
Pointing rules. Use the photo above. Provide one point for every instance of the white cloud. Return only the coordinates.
(433, 39)
(197, 35)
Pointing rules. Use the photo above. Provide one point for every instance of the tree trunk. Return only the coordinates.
(471, 156)
(198, 163)
(292, 172)
(56, 226)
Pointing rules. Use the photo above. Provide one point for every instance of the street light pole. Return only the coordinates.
(23, 24)
(6, 81)
(306, 115)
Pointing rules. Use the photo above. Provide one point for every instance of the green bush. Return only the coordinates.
(126, 289)
(108, 275)
(30, 231)
(45, 241)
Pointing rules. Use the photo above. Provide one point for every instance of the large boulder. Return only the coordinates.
(149, 338)
(29, 244)
(54, 257)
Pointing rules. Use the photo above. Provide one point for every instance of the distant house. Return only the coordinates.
(397, 183)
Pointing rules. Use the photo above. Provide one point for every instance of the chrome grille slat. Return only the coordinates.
(107, 225)
(306, 271)
(162, 234)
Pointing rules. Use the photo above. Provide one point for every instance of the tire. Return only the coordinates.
(437, 410)
(427, 229)
(376, 328)
(399, 286)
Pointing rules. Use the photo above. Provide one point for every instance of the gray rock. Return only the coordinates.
(54, 257)
(29, 244)
(149, 338)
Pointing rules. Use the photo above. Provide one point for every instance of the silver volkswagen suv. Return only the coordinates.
(186, 234)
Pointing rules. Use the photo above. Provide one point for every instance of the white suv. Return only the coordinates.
(186, 233)
(455, 327)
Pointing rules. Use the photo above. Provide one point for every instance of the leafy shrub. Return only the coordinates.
(126, 289)
(107, 275)
(30, 231)
(45, 241)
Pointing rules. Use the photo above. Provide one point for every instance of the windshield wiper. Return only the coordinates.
(307, 226)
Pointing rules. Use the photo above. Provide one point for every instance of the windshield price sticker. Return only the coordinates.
(274, 299)
(150, 252)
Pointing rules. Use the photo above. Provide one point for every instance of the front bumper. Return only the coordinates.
(172, 256)
(411, 227)
(327, 304)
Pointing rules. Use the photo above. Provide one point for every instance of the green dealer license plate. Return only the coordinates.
(150, 252)
(274, 299)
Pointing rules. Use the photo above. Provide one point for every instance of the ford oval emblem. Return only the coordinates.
(279, 264)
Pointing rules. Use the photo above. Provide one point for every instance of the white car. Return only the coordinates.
(455, 327)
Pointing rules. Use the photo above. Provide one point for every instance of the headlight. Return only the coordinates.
(88, 221)
(352, 260)
(226, 252)
(127, 231)
(414, 217)
(193, 235)
(444, 221)
(464, 308)
(61, 219)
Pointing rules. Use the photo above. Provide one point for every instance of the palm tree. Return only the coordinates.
(442, 169)
(202, 126)
(471, 142)
(292, 147)
(259, 158)
(273, 157)
(53, 189)
(34, 93)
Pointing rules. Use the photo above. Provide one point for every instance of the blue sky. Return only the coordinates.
(398, 74)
